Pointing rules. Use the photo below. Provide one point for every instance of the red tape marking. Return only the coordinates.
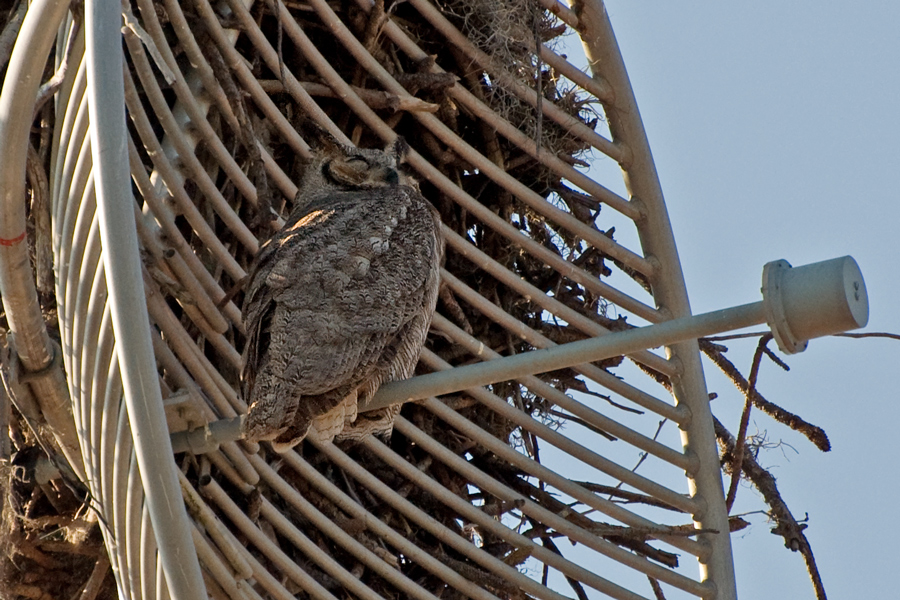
(12, 242)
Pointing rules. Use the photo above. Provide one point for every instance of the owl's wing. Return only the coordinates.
(258, 309)
(270, 275)
(398, 360)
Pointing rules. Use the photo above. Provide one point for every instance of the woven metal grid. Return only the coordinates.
(313, 521)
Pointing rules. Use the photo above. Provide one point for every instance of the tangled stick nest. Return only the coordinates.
(508, 31)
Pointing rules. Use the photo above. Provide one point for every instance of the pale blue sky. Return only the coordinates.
(776, 134)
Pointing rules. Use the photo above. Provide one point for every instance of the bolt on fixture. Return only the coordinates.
(814, 300)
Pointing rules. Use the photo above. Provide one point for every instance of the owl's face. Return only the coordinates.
(346, 168)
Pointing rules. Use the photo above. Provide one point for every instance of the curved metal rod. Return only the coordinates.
(126, 294)
(459, 93)
(540, 514)
(17, 287)
(442, 132)
(572, 448)
(266, 546)
(475, 515)
(657, 240)
(432, 14)
(535, 469)
(566, 402)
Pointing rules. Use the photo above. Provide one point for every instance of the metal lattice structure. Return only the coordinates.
(459, 503)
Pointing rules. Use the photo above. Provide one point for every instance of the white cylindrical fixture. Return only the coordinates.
(814, 300)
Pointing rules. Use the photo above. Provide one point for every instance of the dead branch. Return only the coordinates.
(376, 99)
(785, 524)
(891, 336)
(814, 433)
(738, 454)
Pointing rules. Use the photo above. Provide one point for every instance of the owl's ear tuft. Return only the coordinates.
(399, 148)
(345, 173)
(321, 139)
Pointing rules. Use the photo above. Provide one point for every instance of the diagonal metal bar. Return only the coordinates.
(568, 355)
(513, 367)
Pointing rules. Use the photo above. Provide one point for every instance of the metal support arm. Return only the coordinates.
(810, 301)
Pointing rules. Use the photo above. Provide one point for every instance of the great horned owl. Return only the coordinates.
(340, 299)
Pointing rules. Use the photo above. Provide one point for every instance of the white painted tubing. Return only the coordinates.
(567, 355)
(143, 398)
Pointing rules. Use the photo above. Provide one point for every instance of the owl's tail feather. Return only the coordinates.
(326, 427)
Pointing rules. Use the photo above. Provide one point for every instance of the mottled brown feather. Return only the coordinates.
(338, 302)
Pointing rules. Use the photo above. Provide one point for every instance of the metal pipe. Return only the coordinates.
(424, 559)
(71, 129)
(69, 101)
(573, 531)
(174, 183)
(130, 545)
(87, 310)
(539, 471)
(215, 529)
(586, 455)
(657, 240)
(568, 355)
(577, 128)
(405, 586)
(206, 439)
(332, 567)
(520, 365)
(75, 182)
(179, 139)
(561, 399)
(89, 400)
(427, 170)
(148, 556)
(116, 434)
(475, 515)
(517, 327)
(263, 578)
(126, 291)
(562, 11)
(214, 566)
(103, 412)
(172, 237)
(190, 109)
(459, 93)
(427, 522)
(240, 68)
(17, 287)
(557, 165)
(573, 318)
(270, 549)
(209, 379)
(467, 152)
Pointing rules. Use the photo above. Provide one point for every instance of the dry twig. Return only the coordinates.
(738, 454)
(814, 433)
(785, 524)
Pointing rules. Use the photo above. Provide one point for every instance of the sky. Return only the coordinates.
(775, 130)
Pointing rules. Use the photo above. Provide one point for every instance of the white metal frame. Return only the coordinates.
(127, 457)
